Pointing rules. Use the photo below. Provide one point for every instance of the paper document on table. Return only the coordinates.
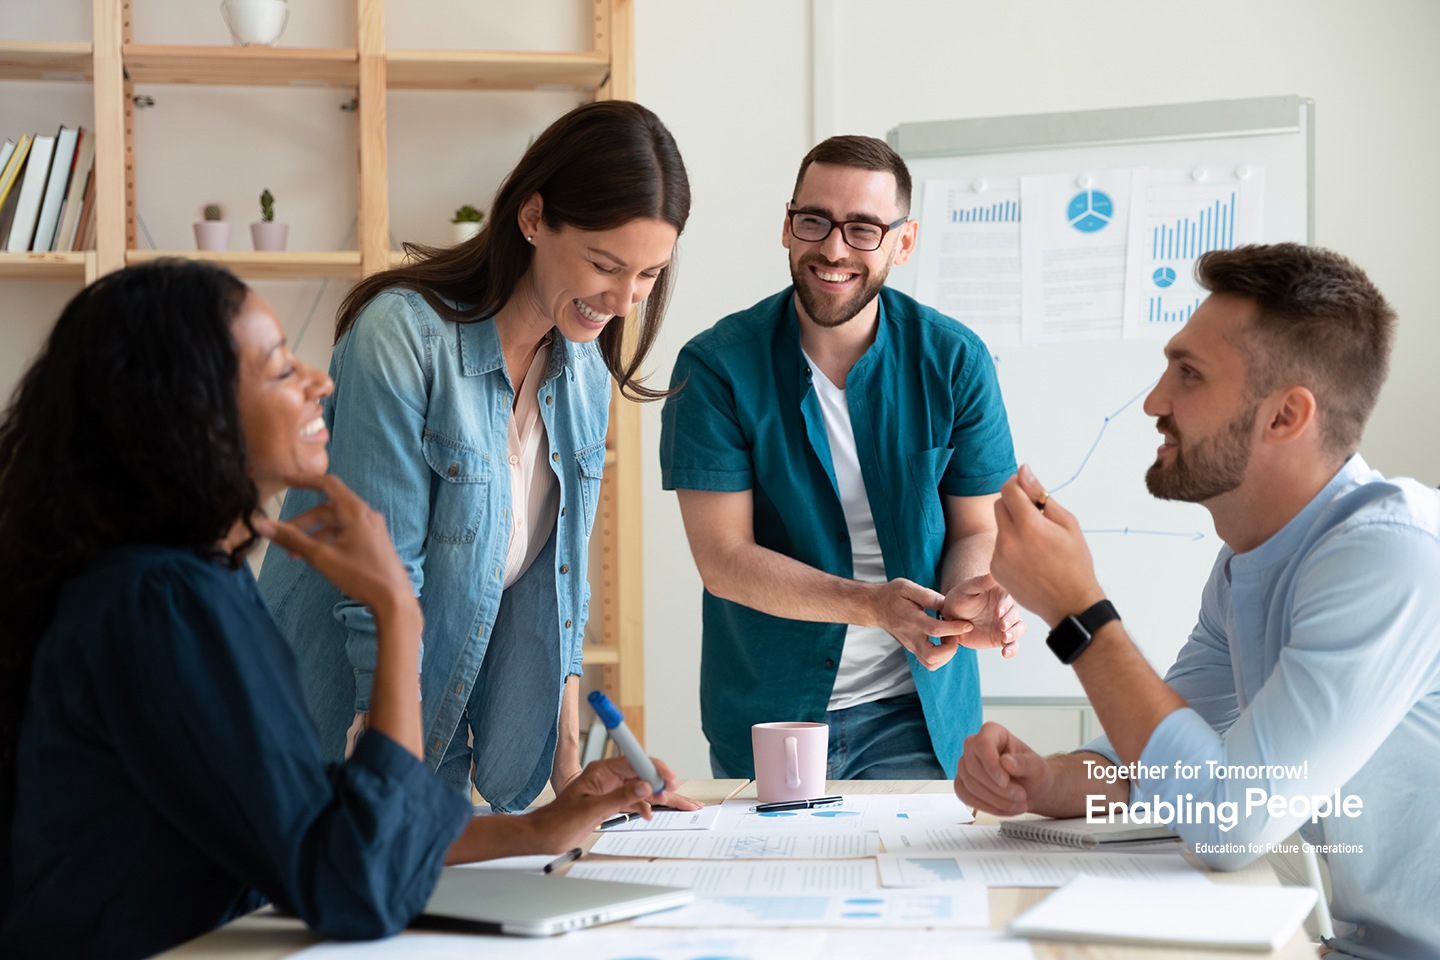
(854, 812)
(1031, 869)
(702, 819)
(924, 945)
(591, 944)
(1215, 915)
(945, 838)
(954, 906)
(526, 864)
(969, 265)
(740, 845)
(776, 876)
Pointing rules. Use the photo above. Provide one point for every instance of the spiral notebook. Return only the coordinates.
(1077, 832)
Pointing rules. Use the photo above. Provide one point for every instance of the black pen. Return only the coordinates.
(797, 804)
(616, 820)
(569, 856)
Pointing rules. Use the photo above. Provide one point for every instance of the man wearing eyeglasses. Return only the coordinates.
(837, 450)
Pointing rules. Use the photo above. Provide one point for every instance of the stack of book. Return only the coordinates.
(47, 192)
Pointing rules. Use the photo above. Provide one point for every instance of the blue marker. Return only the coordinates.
(614, 721)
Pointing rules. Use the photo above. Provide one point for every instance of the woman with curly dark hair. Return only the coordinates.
(159, 773)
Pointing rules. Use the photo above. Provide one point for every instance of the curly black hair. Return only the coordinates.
(124, 430)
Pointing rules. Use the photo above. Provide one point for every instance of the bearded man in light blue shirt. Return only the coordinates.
(1308, 694)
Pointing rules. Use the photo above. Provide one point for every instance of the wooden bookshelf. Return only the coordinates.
(113, 66)
(79, 265)
(287, 265)
(456, 70)
(32, 60)
(241, 66)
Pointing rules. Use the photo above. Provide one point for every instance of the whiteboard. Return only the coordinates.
(1152, 556)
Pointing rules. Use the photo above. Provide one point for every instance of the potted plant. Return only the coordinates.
(466, 223)
(265, 232)
(212, 233)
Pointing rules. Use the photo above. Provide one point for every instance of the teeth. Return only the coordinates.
(832, 277)
(313, 427)
(591, 315)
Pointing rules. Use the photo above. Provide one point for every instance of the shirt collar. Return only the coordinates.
(1288, 538)
(480, 351)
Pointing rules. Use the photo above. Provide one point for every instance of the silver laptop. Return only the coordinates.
(536, 905)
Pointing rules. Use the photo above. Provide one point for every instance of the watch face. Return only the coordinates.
(1068, 639)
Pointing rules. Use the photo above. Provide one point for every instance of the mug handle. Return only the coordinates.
(792, 763)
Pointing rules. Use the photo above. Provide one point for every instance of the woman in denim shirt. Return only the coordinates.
(472, 392)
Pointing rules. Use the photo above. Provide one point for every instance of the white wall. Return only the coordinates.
(733, 82)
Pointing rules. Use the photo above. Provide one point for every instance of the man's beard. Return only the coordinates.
(828, 312)
(1212, 466)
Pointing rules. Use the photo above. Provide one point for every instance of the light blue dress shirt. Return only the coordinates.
(419, 422)
(1321, 648)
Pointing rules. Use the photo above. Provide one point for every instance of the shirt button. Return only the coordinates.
(564, 568)
(454, 470)
(555, 457)
(567, 624)
(808, 373)
(514, 459)
(843, 537)
(549, 400)
(829, 664)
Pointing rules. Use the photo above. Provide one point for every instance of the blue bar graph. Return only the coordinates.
(1157, 314)
(1003, 211)
(1187, 237)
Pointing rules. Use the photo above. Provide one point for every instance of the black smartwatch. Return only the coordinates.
(1073, 634)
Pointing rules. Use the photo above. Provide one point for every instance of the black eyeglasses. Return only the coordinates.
(859, 234)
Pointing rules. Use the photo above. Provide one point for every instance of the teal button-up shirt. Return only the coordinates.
(929, 422)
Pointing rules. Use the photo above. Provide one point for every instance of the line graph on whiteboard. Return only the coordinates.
(1124, 531)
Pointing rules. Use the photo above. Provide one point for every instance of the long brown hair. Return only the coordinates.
(598, 167)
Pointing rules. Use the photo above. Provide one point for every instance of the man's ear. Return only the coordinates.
(1290, 414)
(909, 234)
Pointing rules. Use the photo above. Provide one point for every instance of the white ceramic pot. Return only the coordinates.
(464, 231)
(212, 235)
(269, 236)
(255, 23)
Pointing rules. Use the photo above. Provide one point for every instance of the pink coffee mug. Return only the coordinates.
(789, 760)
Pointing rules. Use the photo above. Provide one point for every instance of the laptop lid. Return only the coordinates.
(537, 905)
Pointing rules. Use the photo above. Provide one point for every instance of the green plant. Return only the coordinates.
(267, 207)
(213, 212)
(468, 214)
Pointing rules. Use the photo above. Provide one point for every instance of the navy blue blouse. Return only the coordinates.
(170, 778)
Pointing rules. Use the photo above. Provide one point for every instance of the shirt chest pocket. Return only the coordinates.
(590, 465)
(926, 469)
(459, 488)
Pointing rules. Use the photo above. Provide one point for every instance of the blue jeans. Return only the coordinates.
(880, 740)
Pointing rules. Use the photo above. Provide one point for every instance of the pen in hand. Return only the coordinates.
(569, 856)
(614, 721)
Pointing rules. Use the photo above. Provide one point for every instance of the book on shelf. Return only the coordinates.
(32, 191)
(8, 178)
(75, 194)
(61, 165)
(7, 150)
(85, 228)
(1077, 832)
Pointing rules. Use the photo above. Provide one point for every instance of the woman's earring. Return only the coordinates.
(530, 240)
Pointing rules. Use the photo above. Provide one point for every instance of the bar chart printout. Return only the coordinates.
(1181, 214)
(968, 259)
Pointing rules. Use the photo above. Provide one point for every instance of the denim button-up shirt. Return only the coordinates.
(418, 424)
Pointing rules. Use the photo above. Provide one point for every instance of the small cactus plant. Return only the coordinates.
(213, 213)
(267, 207)
(468, 214)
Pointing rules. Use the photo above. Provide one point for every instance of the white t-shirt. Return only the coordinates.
(534, 488)
(873, 664)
